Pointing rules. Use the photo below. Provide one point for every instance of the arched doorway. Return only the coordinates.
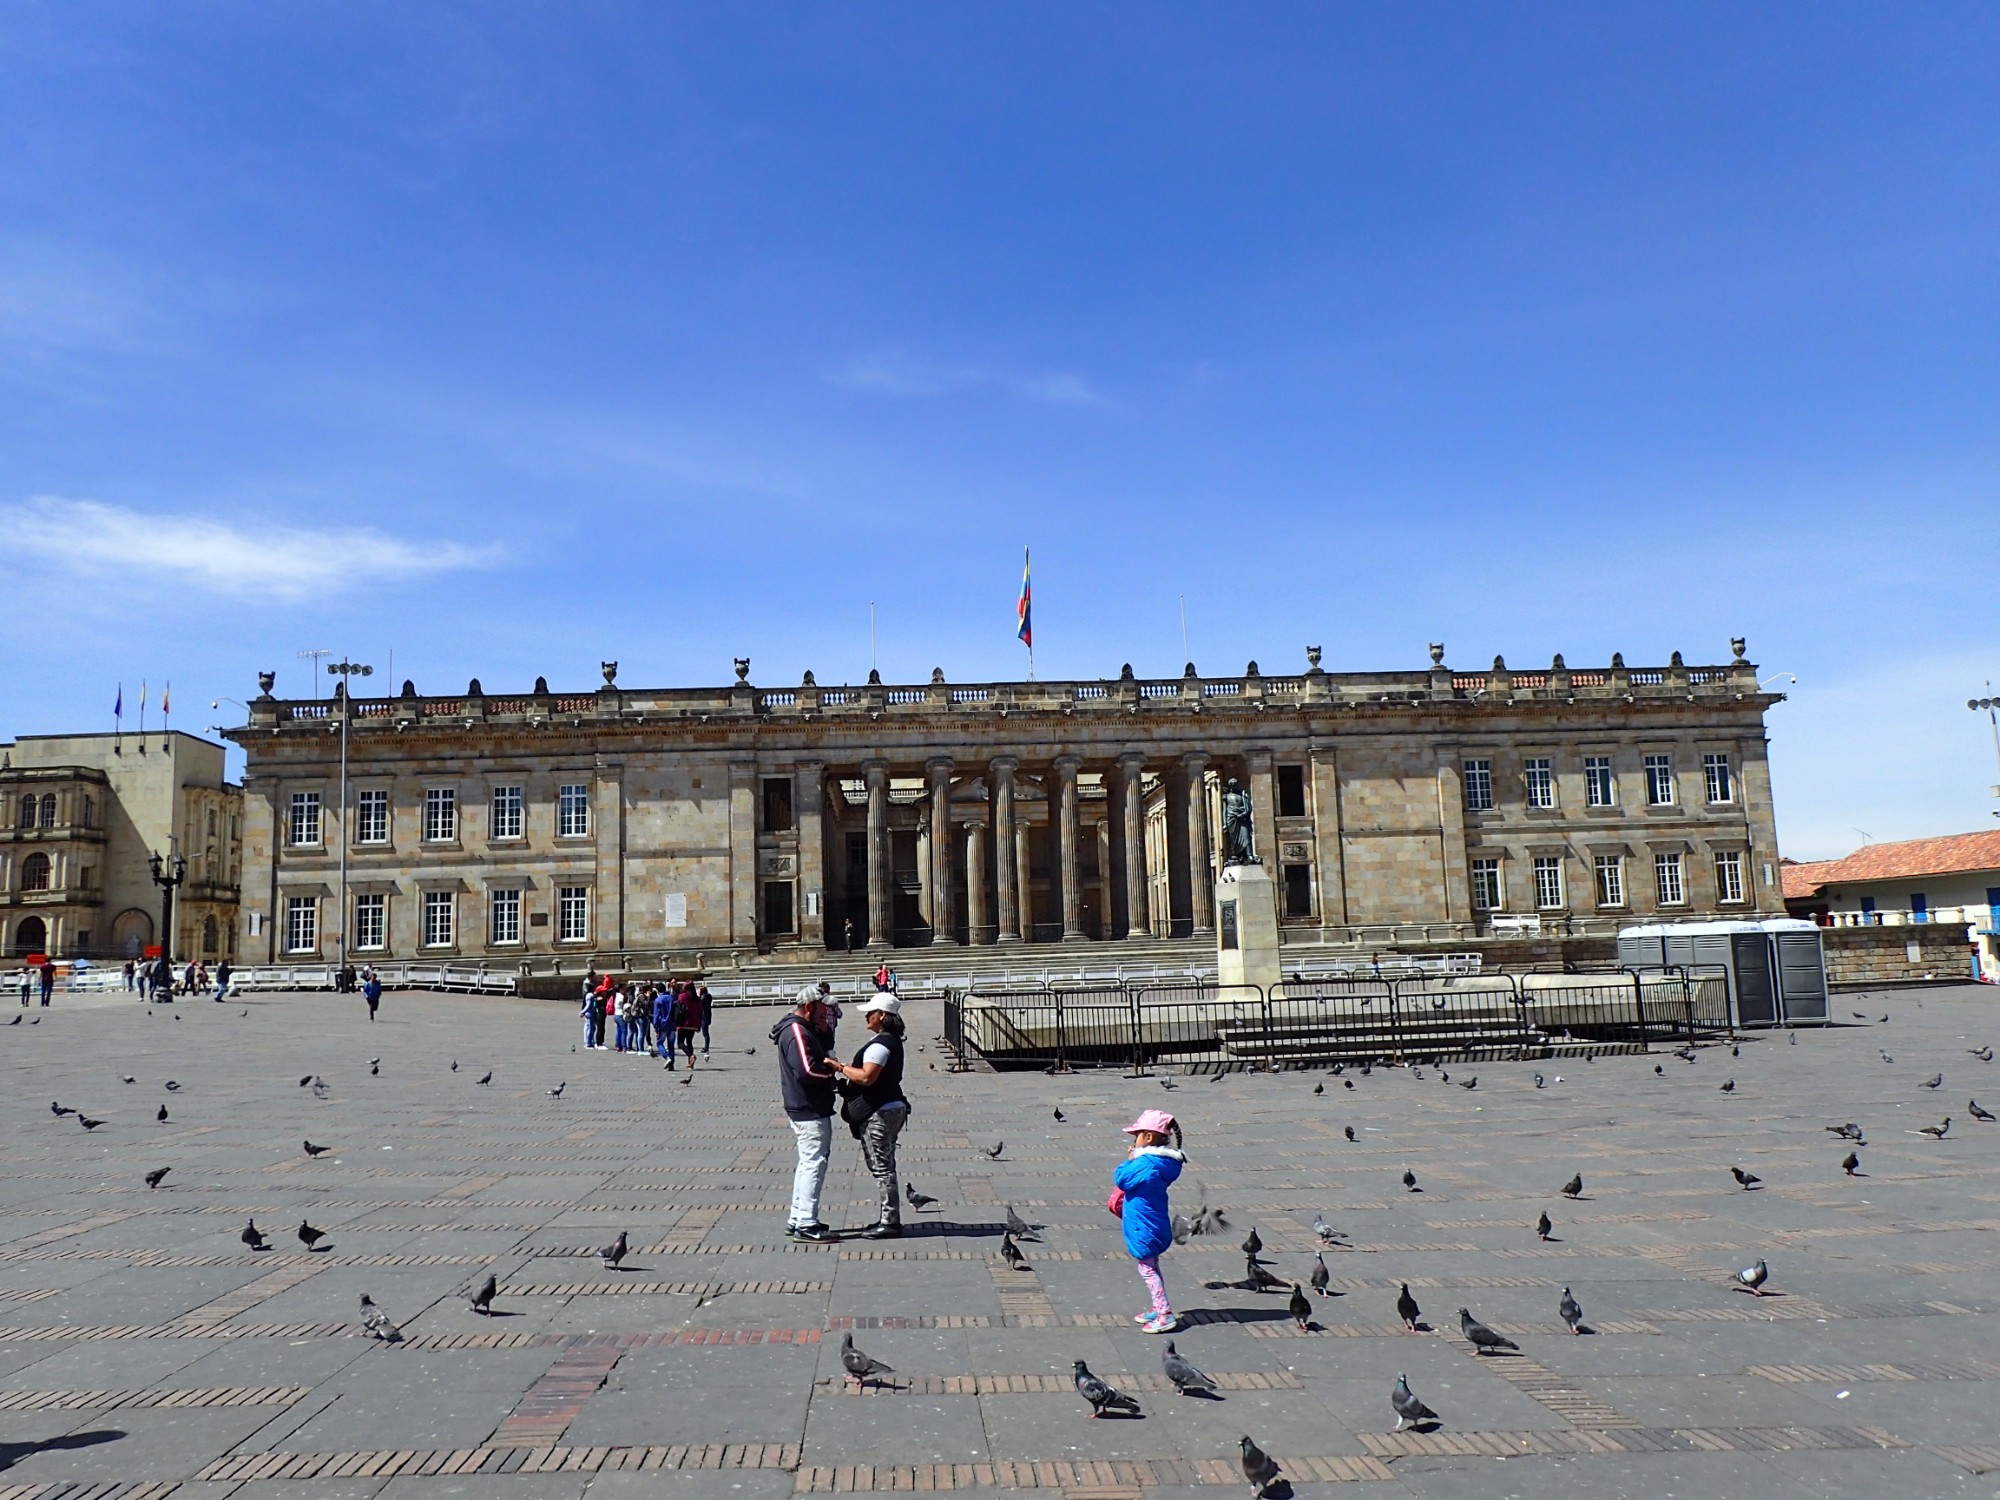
(31, 935)
(131, 933)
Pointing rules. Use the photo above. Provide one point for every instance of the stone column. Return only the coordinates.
(977, 929)
(1263, 790)
(1134, 814)
(1201, 873)
(1072, 884)
(879, 934)
(943, 930)
(1106, 922)
(1024, 869)
(808, 816)
(744, 916)
(1006, 882)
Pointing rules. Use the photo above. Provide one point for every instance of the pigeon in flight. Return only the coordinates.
(1102, 1397)
(482, 1300)
(614, 1252)
(1408, 1408)
(1935, 1081)
(1350, 1132)
(305, 1080)
(1745, 1180)
(1483, 1339)
(1935, 1132)
(1410, 1180)
(162, 1115)
(1258, 1467)
(1543, 1226)
(861, 1368)
(1972, 1108)
(1186, 1378)
(375, 1323)
(157, 1176)
(1019, 1227)
(1301, 1308)
(254, 1237)
(484, 1079)
(312, 1150)
(1011, 1253)
(1570, 1311)
(1752, 1278)
(1574, 1187)
(1321, 1277)
(1850, 1164)
(1407, 1309)
(994, 1154)
(918, 1201)
(309, 1236)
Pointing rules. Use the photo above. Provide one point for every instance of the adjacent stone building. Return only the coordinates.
(80, 815)
(1433, 804)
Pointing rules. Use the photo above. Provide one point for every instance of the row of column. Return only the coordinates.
(1011, 848)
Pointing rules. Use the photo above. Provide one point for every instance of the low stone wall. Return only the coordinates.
(1858, 957)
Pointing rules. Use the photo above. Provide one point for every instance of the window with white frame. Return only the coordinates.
(440, 918)
(573, 914)
(1599, 790)
(505, 924)
(440, 815)
(1667, 885)
(1478, 785)
(371, 817)
(506, 812)
(573, 811)
(1715, 773)
(1548, 881)
(303, 827)
(1728, 875)
(1660, 780)
(371, 922)
(1610, 879)
(302, 924)
(1541, 782)
(1486, 890)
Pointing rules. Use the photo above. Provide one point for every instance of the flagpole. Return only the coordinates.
(1184, 644)
(118, 722)
(142, 716)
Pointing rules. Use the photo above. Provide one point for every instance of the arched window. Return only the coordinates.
(35, 872)
(48, 809)
(31, 936)
(27, 818)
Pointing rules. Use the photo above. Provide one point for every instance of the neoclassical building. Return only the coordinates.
(799, 819)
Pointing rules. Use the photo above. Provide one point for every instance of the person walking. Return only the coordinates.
(805, 1082)
(371, 991)
(1139, 1198)
(130, 970)
(707, 1016)
(586, 1012)
(222, 972)
(663, 1024)
(49, 982)
(875, 1108)
(687, 1021)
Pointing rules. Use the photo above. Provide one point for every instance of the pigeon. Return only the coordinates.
(557, 1091)
(1258, 1467)
(1324, 1232)
(1347, 1083)
(1470, 1083)
(1857, 1015)
(1410, 1180)
(1984, 1054)
(1183, 1227)
(309, 1236)
(1301, 1308)
(1574, 1187)
(1408, 1407)
(687, 1078)
(254, 1237)
(1850, 1164)
(1659, 1070)
(1539, 1083)
(375, 1068)
(312, 1150)
(1060, 1117)
(1935, 1081)
(1017, 1226)
(1543, 1226)
(1011, 1253)
(614, 1252)
(1752, 1278)
(1321, 1277)
(1166, 1083)
(1745, 1180)
(1728, 1088)
(157, 1176)
(918, 1201)
(1407, 1309)
(172, 1087)
(162, 1115)
(482, 1300)
(1186, 1378)
(994, 1154)
(1483, 1338)
(59, 1110)
(861, 1368)
(305, 1080)
(1735, 1051)
(1319, 1088)
(454, 1065)
(1850, 1131)
(1887, 1058)
(1935, 1132)
(129, 1079)
(1257, 1278)
(484, 1079)
(87, 1123)
(1252, 1242)
(1972, 1108)
(375, 1323)
(1885, 1020)
(1102, 1398)
(1350, 1132)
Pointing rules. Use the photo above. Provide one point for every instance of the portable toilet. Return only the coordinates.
(1774, 968)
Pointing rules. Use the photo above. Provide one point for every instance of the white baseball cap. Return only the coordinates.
(883, 1002)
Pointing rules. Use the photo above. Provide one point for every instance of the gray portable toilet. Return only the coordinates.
(1775, 970)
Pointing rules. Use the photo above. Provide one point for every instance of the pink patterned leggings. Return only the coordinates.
(1149, 1271)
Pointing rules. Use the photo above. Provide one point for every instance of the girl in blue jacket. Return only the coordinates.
(1140, 1201)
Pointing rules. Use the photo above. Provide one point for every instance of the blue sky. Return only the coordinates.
(513, 338)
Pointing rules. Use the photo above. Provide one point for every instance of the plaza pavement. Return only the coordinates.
(144, 1352)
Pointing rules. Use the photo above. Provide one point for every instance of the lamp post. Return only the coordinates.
(168, 875)
(345, 670)
(1992, 707)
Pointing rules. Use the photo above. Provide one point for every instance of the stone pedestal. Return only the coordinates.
(1246, 929)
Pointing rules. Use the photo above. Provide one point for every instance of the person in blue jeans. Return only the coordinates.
(663, 1023)
(707, 1016)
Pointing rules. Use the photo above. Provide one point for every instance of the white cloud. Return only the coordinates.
(899, 376)
(90, 540)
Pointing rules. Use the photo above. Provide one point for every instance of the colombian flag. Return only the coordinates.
(1027, 630)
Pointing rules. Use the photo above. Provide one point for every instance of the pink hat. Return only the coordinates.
(1156, 1120)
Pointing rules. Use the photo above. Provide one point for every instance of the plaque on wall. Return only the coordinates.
(777, 866)
(1297, 854)
(677, 909)
(1226, 924)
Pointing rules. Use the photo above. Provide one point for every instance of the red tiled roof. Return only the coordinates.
(1952, 854)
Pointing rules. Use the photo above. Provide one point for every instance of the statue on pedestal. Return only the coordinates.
(1237, 845)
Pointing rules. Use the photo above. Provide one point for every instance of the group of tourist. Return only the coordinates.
(645, 1017)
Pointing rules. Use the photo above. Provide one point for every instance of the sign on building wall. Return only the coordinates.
(677, 909)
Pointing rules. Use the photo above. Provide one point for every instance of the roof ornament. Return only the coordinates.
(610, 671)
(742, 671)
(1437, 653)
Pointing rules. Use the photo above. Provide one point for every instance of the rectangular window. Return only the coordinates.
(777, 908)
(1291, 791)
(1920, 907)
(371, 818)
(304, 825)
(1610, 880)
(440, 918)
(1548, 881)
(506, 813)
(1715, 772)
(1660, 780)
(1667, 879)
(440, 815)
(302, 924)
(1729, 876)
(1478, 786)
(1298, 890)
(1599, 790)
(505, 925)
(573, 914)
(777, 804)
(1541, 783)
(371, 921)
(573, 811)
(1486, 892)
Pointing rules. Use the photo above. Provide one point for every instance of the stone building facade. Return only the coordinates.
(530, 826)
(80, 815)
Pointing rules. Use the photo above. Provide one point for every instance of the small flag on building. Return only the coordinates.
(1027, 630)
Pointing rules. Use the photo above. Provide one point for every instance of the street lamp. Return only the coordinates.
(345, 669)
(1992, 707)
(167, 875)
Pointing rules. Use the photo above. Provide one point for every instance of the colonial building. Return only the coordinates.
(530, 825)
(81, 814)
